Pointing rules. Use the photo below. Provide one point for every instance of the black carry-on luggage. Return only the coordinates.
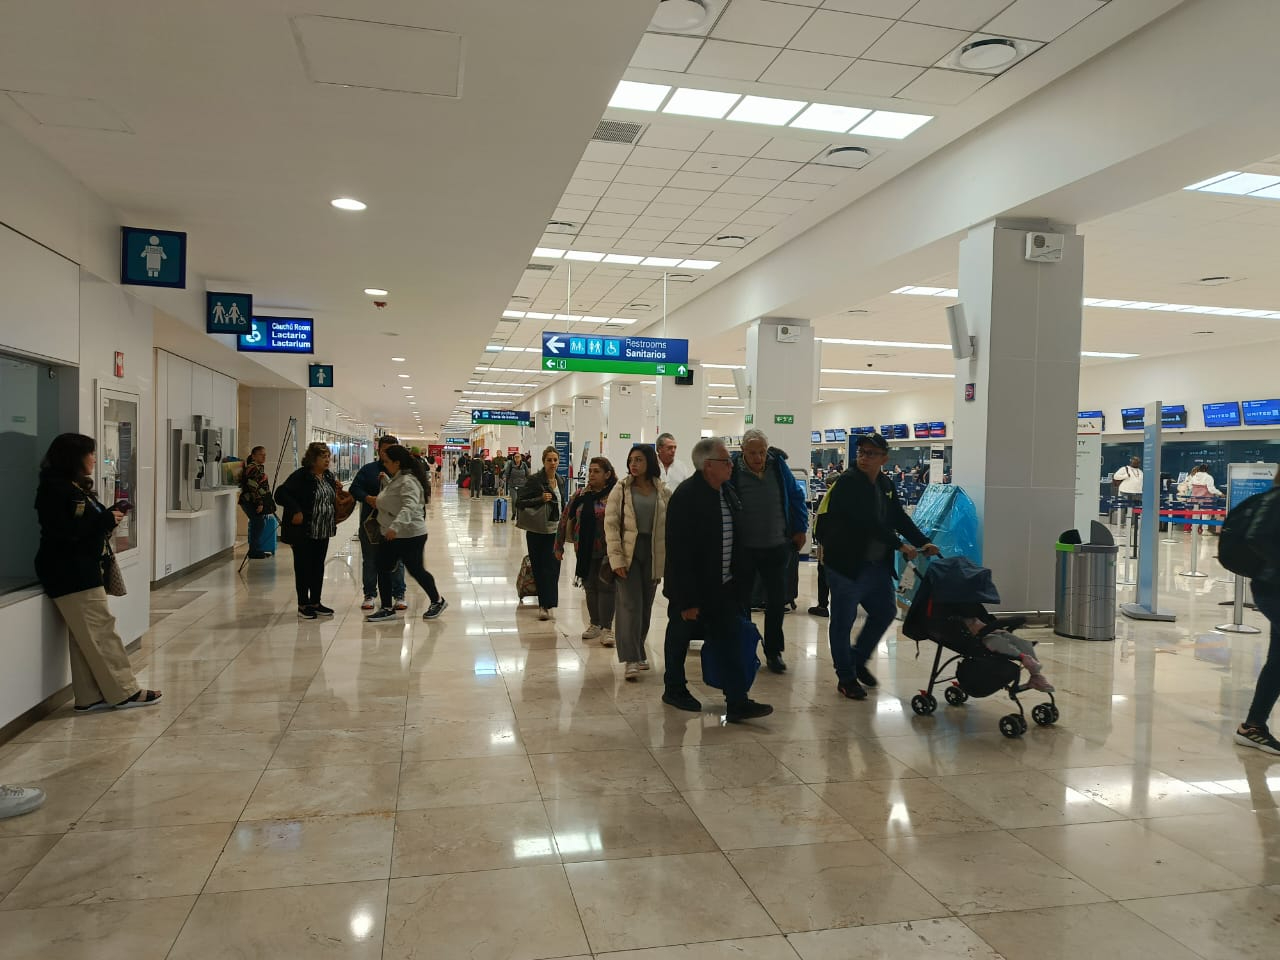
(500, 510)
(489, 485)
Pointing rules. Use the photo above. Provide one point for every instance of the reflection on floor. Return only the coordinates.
(486, 786)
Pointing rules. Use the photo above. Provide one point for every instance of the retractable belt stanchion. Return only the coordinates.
(1195, 570)
(1127, 575)
(1237, 624)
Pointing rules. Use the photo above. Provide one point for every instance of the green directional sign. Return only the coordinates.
(561, 364)
(749, 419)
(784, 418)
(624, 436)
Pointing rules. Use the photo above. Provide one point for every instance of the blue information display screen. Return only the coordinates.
(841, 434)
(899, 431)
(920, 431)
(1174, 416)
(862, 431)
(937, 429)
(1222, 414)
(278, 335)
(1261, 413)
(815, 436)
(1133, 418)
(829, 436)
(1093, 415)
(886, 430)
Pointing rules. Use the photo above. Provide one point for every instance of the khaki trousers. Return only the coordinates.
(100, 668)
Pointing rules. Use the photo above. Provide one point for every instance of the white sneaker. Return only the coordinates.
(644, 664)
(15, 801)
(368, 604)
(591, 632)
(551, 613)
(544, 613)
(632, 673)
(606, 637)
(400, 604)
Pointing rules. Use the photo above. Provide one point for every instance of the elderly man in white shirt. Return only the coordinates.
(674, 472)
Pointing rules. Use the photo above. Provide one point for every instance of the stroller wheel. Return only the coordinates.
(924, 704)
(954, 695)
(1045, 714)
(1012, 725)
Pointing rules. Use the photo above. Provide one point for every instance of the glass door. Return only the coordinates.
(117, 477)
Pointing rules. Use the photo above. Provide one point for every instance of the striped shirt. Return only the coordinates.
(324, 519)
(726, 540)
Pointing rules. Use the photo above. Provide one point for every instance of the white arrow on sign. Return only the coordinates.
(682, 370)
(555, 344)
(551, 364)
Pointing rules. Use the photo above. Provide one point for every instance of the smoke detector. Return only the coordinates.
(561, 226)
(680, 15)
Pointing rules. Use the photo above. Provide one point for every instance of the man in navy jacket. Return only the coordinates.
(365, 488)
(775, 521)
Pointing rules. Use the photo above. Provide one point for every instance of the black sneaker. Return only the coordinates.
(747, 710)
(682, 700)
(819, 612)
(852, 690)
(323, 611)
(776, 665)
(385, 615)
(435, 609)
(1258, 737)
(307, 613)
(867, 678)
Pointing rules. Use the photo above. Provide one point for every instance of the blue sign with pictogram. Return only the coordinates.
(320, 374)
(663, 356)
(227, 312)
(153, 258)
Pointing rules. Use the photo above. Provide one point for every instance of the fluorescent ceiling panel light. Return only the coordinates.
(1139, 305)
(890, 125)
(698, 264)
(889, 373)
(712, 104)
(1241, 184)
(623, 258)
(725, 366)
(539, 316)
(492, 348)
(596, 320)
(766, 110)
(906, 344)
(649, 383)
(489, 393)
(513, 314)
(1109, 356)
(1204, 183)
(828, 117)
(403, 376)
(630, 95)
(397, 359)
(1267, 193)
(548, 253)
(624, 321)
(406, 387)
(661, 262)
(852, 390)
(584, 255)
(569, 317)
(1114, 304)
(348, 203)
(375, 291)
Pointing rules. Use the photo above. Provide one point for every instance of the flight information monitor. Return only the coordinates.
(829, 436)
(1261, 413)
(841, 434)
(1173, 416)
(920, 431)
(937, 429)
(1133, 418)
(899, 431)
(815, 436)
(1093, 415)
(1222, 414)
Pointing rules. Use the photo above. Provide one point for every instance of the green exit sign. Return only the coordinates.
(749, 419)
(624, 436)
(784, 418)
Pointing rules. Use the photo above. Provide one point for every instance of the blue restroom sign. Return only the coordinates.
(320, 374)
(153, 258)
(227, 312)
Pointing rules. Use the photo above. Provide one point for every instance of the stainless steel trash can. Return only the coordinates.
(1085, 591)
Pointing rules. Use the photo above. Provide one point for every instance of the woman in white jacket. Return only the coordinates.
(635, 524)
(402, 520)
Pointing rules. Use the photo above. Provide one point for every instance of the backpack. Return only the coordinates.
(1235, 552)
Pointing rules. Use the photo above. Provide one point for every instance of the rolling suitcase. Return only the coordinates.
(267, 541)
(526, 585)
(500, 510)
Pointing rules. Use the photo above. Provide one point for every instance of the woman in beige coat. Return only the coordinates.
(635, 523)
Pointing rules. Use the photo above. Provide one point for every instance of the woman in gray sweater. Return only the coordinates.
(402, 522)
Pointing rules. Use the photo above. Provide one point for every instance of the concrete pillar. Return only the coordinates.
(1015, 447)
(541, 433)
(650, 410)
(780, 382)
(588, 425)
(562, 422)
(682, 410)
(625, 421)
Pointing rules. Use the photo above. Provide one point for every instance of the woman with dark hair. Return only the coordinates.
(402, 522)
(309, 498)
(583, 526)
(538, 507)
(256, 500)
(635, 523)
(74, 527)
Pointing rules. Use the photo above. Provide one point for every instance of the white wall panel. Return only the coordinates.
(39, 300)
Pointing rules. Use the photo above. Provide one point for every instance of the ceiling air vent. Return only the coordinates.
(540, 268)
(618, 131)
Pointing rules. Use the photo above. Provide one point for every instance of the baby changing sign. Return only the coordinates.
(278, 335)
(153, 258)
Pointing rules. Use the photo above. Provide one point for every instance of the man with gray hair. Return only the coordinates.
(674, 472)
(775, 519)
(704, 558)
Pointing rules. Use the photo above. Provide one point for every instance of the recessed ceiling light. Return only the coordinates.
(890, 125)
(348, 203)
(406, 387)
(630, 95)
(990, 53)
(397, 359)
(712, 104)
(403, 376)
(622, 258)
(680, 15)
(549, 253)
(829, 117)
(699, 264)
(586, 255)
(375, 291)
(766, 110)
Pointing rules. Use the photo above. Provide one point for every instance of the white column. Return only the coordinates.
(650, 411)
(588, 425)
(780, 382)
(626, 421)
(541, 433)
(1015, 440)
(682, 410)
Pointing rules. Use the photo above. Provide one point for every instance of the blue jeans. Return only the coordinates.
(872, 589)
(1268, 689)
(369, 569)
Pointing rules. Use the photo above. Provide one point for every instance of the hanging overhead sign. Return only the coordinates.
(502, 418)
(654, 356)
(278, 335)
(153, 258)
(320, 374)
(227, 312)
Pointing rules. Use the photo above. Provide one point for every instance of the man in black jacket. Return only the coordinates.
(703, 558)
(859, 523)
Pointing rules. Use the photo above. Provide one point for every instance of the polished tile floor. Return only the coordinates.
(486, 787)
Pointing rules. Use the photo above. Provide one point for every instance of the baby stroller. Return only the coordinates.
(951, 591)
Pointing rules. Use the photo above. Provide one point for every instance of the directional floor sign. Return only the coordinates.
(227, 312)
(320, 374)
(655, 356)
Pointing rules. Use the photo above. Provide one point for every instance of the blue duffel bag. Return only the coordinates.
(746, 640)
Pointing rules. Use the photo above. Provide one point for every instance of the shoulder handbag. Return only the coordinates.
(112, 578)
(344, 504)
(532, 518)
(372, 531)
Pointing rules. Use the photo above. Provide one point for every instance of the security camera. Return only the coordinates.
(870, 364)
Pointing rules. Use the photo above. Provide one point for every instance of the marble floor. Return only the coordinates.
(486, 787)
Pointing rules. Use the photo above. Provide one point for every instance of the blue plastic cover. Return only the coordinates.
(947, 516)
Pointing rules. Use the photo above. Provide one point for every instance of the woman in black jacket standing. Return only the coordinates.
(74, 528)
(309, 498)
(538, 507)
